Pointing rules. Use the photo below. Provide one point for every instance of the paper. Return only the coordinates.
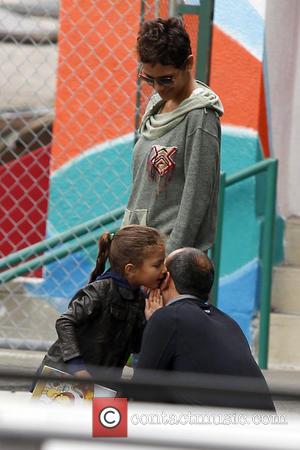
(65, 391)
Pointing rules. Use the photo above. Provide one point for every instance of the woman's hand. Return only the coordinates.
(153, 302)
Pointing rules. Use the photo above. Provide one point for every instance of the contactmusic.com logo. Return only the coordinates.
(110, 417)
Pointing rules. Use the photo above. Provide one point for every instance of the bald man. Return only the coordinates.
(189, 335)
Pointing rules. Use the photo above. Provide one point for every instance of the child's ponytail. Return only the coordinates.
(103, 254)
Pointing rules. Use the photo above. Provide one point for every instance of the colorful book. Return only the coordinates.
(67, 391)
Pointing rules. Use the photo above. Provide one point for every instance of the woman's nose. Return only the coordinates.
(158, 87)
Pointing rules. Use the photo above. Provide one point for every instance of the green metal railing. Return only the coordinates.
(269, 167)
(79, 237)
(87, 234)
(75, 232)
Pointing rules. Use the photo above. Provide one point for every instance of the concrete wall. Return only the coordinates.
(282, 63)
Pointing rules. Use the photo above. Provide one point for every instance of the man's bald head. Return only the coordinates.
(191, 270)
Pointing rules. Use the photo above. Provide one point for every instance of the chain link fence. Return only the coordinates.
(70, 104)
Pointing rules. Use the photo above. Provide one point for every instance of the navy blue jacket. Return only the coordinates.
(191, 336)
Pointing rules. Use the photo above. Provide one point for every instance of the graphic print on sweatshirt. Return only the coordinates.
(160, 161)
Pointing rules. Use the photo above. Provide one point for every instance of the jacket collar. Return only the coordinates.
(125, 289)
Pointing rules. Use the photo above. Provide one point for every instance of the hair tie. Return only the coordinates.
(111, 236)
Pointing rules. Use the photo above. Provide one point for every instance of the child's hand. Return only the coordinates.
(153, 302)
(83, 374)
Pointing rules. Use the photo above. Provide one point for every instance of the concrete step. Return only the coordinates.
(292, 241)
(284, 352)
(20, 359)
(286, 289)
(17, 361)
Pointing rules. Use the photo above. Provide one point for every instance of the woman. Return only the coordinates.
(176, 159)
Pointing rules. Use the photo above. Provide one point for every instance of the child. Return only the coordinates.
(104, 322)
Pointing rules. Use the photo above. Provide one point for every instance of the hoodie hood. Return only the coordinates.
(155, 125)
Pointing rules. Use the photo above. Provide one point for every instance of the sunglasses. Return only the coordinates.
(162, 81)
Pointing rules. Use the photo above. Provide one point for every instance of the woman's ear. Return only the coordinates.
(189, 62)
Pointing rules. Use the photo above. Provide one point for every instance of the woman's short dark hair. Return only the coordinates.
(164, 41)
(192, 272)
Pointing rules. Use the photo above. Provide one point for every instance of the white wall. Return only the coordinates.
(282, 61)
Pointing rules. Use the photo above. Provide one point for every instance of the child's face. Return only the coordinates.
(152, 272)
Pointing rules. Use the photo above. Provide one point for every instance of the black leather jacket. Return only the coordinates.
(103, 324)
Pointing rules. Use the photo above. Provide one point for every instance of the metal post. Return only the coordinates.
(216, 250)
(172, 11)
(204, 41)
(137, 112)
(204, 11)
(267, 263)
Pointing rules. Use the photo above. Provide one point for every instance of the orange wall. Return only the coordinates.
(237, 77)
(96, 82)
(96, 79)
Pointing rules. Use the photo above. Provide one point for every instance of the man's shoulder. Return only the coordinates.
(162, 315)
(223, 314)
(225, 318)
(193, 307)
(170, 311)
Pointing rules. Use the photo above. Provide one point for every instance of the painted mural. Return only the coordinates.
(92, 146)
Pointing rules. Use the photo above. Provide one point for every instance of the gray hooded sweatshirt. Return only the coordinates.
(176, 168)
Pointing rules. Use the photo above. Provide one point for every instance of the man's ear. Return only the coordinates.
(166, 282)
